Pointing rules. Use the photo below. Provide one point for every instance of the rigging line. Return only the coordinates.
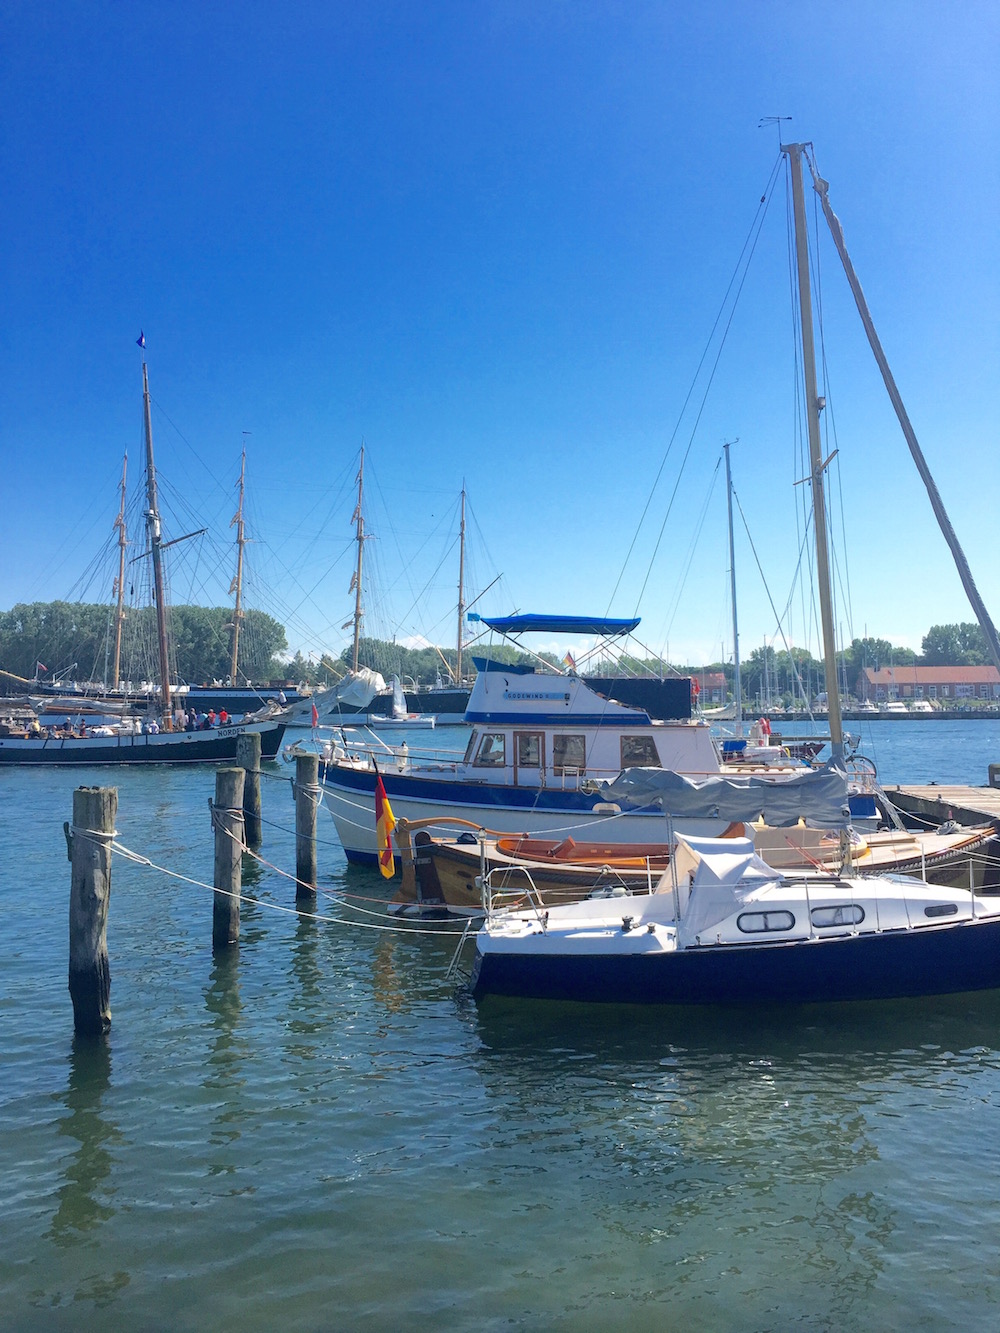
(701, 409)
(674, 605)
(757, 223)
(774, 609)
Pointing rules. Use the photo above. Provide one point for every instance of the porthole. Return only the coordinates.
(759, 923)
(840, 914)
(941, 909)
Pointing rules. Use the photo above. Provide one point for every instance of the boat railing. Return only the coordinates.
(499, 899)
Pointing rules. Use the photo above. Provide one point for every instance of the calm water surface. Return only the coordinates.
(321, 1131)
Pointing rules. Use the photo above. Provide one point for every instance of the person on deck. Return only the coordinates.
(223, 717)
(211, 717)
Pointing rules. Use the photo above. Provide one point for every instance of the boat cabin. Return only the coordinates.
(539, 729)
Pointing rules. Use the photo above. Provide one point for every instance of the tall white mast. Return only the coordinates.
(120, 612)
(737, 689)
(237, 584)
(814, 405)
(461, 590)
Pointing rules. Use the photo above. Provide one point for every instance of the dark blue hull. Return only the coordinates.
(938, 960)
(216, 746)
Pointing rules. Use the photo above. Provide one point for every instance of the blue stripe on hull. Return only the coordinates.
(928, 961)
(470, 793)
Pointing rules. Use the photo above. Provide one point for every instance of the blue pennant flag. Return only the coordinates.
(141, 340)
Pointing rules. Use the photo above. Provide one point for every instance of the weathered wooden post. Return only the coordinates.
(94, 810)
(307, 794)
(248, 758)
(227, 820)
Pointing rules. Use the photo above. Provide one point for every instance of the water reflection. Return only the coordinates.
(769, 1143)
(225, 1073)
(82, 1203)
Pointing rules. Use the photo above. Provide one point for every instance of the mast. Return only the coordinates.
(958, 555)
(155, 542)
(356, 580)
(737, 690)
(120, 612)
(815, 405)
(461, 589)
(237, 584)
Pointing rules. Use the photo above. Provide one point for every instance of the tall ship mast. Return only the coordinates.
(120, 585)
(461, 590)
(236, 587)
(155, 544)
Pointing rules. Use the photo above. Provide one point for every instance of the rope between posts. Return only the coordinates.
(387, 927)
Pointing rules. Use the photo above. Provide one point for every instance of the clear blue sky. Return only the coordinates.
(490, 241)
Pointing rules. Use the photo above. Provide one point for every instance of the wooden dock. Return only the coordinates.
(937, 803)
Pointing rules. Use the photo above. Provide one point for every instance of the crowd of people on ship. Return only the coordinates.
(182, 720)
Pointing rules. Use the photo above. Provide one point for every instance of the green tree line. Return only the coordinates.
(74, 640)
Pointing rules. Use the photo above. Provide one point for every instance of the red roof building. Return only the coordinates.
(949, 683)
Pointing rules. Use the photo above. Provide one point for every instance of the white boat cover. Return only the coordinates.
(819, 796)
(715, 877)
(358, 688)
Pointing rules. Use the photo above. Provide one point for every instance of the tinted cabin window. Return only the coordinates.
(639, 752)
(568, 753)
(529, 750)
(492, 751)
(470, 749)
(758, 923)
(941, 909)
(843, 914)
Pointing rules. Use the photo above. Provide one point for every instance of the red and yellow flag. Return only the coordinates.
(385, 822)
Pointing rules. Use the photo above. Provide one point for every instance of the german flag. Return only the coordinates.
(384, 824)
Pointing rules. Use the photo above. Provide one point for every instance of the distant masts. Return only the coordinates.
(356, 580)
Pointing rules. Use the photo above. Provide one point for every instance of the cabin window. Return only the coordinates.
(941, 909)
(568, 754)
(492, 751)
(639, 752)
(470, 749)
(529, 749)
(757, 923)
(842, 914)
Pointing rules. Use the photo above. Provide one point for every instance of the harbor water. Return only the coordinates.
(320, 1130)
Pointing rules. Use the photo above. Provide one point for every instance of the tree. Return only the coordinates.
(955, 645)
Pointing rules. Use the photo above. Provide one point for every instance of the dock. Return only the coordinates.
(938, 802)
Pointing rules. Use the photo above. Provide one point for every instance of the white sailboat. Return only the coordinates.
(723, 927)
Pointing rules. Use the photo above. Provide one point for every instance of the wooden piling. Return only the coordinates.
(94, 810)
(227, 820)
(248, 758)
(307, 793)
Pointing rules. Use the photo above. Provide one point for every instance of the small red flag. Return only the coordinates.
(315, 715)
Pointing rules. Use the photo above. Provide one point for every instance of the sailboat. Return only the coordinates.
(156, 740)
(722, 926)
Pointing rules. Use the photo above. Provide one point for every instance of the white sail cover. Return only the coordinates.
(715, 877)
(358, 688)
(819, 796)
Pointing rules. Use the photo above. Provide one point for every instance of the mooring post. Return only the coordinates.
(248, 758)
(89, 839)
(227, 820)
(307, 793)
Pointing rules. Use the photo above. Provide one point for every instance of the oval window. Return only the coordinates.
(841, 914)
(757, 923)
(941, 909)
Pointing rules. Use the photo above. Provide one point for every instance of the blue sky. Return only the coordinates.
(490, 240)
